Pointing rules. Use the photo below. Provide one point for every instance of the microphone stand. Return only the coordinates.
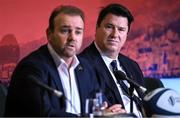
(133, 85)
(131, 89)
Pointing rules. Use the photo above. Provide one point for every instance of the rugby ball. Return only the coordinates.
(162, 101)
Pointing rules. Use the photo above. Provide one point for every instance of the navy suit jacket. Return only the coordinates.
(26, 99)
(104, 77)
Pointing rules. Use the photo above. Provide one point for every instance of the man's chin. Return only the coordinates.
(70, 53)
(112, 49)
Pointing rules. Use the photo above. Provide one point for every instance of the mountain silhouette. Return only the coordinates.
(9, 49)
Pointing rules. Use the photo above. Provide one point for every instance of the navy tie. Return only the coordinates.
(120, 82)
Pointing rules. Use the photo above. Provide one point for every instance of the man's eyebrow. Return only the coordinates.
(67, 26)
(108, 24)
(122, 27)
(79, 28)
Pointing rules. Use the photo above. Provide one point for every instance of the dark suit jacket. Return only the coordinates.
(26, 99)
(3, 93)
(104, 77)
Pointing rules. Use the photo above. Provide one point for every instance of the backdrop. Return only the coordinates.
(154, 40)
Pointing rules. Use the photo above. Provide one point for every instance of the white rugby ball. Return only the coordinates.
(162, 101)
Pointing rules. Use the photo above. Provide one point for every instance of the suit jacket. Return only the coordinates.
(3, 93)
(104, 77)
(26, 99)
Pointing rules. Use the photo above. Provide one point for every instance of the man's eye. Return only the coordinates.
(109, 27)
(78, 32)
(121, 29)
(64, 30)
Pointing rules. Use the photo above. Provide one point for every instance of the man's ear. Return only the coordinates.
(48, 33)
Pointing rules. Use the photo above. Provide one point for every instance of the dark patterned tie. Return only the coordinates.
(120, 82)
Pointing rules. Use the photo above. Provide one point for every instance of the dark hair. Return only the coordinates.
(70, 10)
(115, 9)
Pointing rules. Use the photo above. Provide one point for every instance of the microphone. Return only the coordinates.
(122, 76)
(57, 93)
(35, 81)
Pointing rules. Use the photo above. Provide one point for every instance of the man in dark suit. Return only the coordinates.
(65, 32)
(56, 66)
(112, 28)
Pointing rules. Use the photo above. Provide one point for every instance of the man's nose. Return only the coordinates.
(115, 32)
(71, 36)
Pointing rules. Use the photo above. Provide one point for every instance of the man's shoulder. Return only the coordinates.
(84, 62)
(125, 58)
(36, 56)
(89, 53)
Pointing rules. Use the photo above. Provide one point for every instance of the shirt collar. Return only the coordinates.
(106, 59)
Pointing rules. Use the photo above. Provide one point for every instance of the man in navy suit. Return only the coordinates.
(56, 66)
(113, 25)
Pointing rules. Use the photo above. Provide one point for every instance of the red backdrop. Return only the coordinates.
(153, 41)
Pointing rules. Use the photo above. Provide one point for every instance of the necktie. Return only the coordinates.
(120, 82)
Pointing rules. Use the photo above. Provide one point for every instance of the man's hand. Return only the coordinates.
(116, 108)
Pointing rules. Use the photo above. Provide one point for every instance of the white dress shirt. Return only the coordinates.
(68, 79)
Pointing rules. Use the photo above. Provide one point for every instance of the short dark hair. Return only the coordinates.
(67, 9)
(115, 9)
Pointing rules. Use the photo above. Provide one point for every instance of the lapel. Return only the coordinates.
(103, 71)
(125, 66)
(81, 77)
(52, 69)
(129, 71)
